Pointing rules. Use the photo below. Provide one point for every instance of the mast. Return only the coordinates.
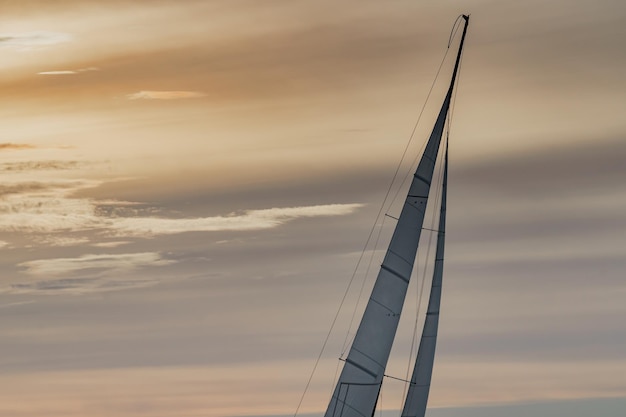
(419, 388)
(358, 386)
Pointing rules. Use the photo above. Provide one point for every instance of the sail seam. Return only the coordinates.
(395, 273)
(396, 254)
(386, 308)
(423, 179)
(369, 357)
(361, 367)
(345, 404)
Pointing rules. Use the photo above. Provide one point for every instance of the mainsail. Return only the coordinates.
(358, 387)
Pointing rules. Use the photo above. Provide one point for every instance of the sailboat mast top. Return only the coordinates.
(458, 56)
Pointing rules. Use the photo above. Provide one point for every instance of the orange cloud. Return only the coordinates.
(9, 146)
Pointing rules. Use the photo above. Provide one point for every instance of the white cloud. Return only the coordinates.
(50, 240)
(249, 220)
(27, 40)
(119, 262)
(3, 243)
(47, 208)
(113, 244)
(164, 95)
(50, 208)
(68, 72)
(62, 72)
(90, 273)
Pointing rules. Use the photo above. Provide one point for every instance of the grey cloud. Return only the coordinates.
(553, 344)
(113, 262)
(16, 303)
(593, 166)
(574, 192)
(40, 165)
(75, 286)
(24, 187)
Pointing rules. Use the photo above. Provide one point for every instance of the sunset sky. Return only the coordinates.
(187, 186)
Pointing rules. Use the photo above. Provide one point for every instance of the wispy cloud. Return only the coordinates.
(112, 244)
(46, 207)
(248, 220)
(36, 209)
(68, 72)
(164, 95)
(27, 40)
(10, 146)
(75, 286)
(51, 240)
(86, 274)
(60, 72)
(29, 188)
(118, 262)
(17, 303)
(39, 165)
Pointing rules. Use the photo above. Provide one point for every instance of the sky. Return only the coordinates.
(187, 186)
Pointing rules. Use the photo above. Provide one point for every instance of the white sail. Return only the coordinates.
(417, 396)
(358, 386)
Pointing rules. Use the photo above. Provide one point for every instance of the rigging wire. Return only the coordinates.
(369, 237)
(367, 270)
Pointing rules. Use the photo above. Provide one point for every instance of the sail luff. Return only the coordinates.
(419, 387)
(417, 396)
